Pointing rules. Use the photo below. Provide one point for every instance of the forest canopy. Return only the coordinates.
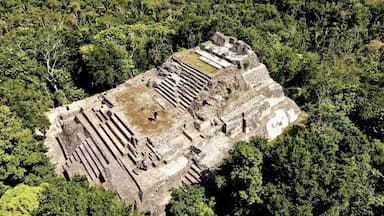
(328, 55)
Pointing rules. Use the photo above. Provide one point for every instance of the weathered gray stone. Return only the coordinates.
(204, 98)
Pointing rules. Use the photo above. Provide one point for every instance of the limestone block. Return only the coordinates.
(219, 39)
(256, 75)
(292, 115)
(276, 124)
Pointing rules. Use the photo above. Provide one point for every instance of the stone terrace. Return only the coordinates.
(170, 125)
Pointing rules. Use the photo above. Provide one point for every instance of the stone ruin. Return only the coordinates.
(166, 127)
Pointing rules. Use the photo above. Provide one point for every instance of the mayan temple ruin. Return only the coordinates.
(166, 127)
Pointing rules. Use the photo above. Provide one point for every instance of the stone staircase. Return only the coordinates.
(108, 139)
(168, 90)
(193, 175)
(183, 92)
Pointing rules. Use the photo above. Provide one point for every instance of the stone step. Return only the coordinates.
(118, 134)
(62, 146)
(90, 127)
(151, 156)
(157, 155)
(194, 173)
(75, 157)
(187, 95)
(85, 165)
(92, 146)
(166, 90)
(99, 116)
(114, 140)
(187, 98)
(121, 137)
(104, 114)
(108, 100)
(180, 110)
(67, 164)
(90, 161)
(187, 89)
(169, 82)
(132, 157)
(133, 150)
(183, 105)
(184, 102)
(191, 178)
(210, 62)
(192, 80)
(192, 70)
(91, 118)
(195, 168)
(70, 159)
(195, 73)
(190, 88)
(188, 181)
(123, 123)
(108, 143)
(168, 87)
(184, 181)
(214, 58)
(166, 97)
(94, 158)
(204, 76)
(192, 91)
(121, 128)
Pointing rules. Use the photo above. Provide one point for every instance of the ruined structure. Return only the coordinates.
(163, 128)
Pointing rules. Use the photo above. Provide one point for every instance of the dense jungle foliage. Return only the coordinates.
(327, 54)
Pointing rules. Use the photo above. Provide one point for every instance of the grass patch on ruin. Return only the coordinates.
(191, 58)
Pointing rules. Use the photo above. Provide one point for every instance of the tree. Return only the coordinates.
(240, 178)
(321, 170)
(20, 200)
(190, 201)
(22, 158)
(52, 51)
(57, 198)
(149, 45)
(192, 30)
(55, 55)
(105, 66)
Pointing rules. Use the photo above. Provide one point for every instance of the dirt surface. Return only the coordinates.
(138, 104)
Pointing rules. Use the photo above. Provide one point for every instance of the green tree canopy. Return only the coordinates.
(20, 200)
(190, 201)
(78, 198)
(22, 157)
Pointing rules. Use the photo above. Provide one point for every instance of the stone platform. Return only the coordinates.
(165, 127)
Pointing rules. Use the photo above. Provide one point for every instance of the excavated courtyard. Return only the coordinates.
(139, 109)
